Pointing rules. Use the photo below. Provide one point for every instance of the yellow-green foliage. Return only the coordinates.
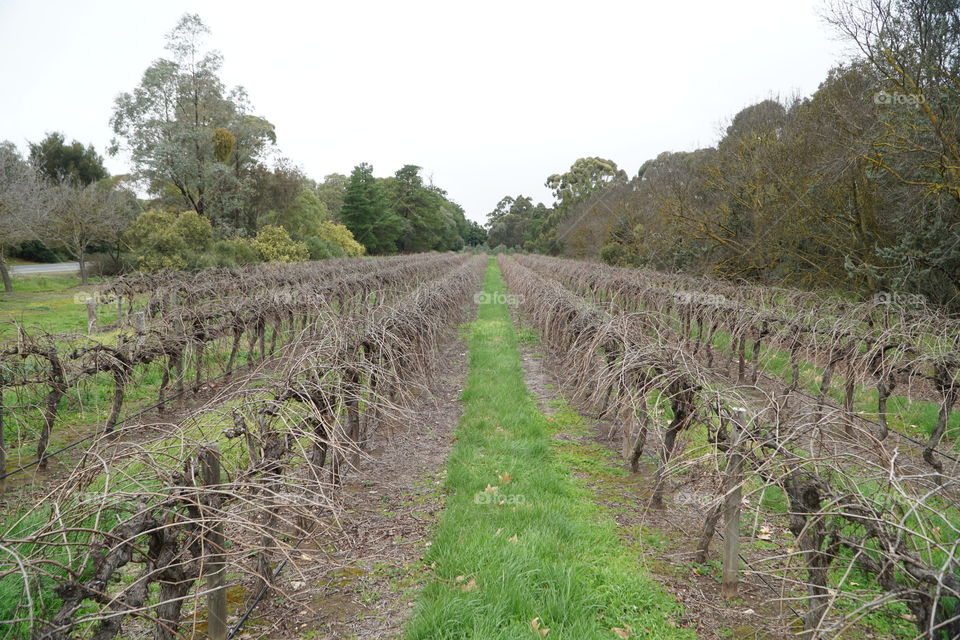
(275, 245)
(162, 239)
(224, 143)
(307, 220)
(339, 235)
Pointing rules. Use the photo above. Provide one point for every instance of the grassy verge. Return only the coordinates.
(522, 547)
(51, 303)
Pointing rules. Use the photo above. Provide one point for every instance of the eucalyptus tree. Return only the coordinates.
(585, 178)
(515, 221)
(185, 131)
(913, 47)
(332, 190)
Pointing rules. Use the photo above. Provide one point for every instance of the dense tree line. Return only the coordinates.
(854, 186)
(402, 214)
(217, 195)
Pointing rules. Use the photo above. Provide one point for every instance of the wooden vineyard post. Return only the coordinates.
(353, 417)
(731, 508)
(216, 564)
(91, 314)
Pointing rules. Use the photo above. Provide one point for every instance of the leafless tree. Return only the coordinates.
(24, 203)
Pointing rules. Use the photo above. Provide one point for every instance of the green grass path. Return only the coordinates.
(521, 544)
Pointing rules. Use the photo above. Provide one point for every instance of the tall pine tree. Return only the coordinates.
(368, 214)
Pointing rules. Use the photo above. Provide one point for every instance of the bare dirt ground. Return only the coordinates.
(359, 579)
(665, 539)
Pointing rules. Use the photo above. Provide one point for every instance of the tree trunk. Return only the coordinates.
(825, 385)
(200, 350)
(119, 382)
(640, 441)
(755, 356)
(794, 369)
(162, 393)
(611, 358)
(49, 417)
(682, 405)
(58, 389)
(178, 369)
(885, 387)
(741, 357)
(849, 387)
(698, 341)
(82, 260)
(237, 333)
(706, 534)
(353, 417)
(273, 337)
(262, 338)
(175, 584)
(708, 342)
(5, 274)
(809, 528)
(949, 397)
(318, 456)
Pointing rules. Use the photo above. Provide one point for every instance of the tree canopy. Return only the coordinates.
(57, 160)
(186, 132)
(401, 213)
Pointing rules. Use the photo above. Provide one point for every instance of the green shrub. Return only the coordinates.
(275, 245)
(614, 254)
(166, 240)
(341, 236)
(234, 252)
(322, 249)
(36, 251)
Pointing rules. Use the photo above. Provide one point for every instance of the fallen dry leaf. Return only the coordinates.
(622, 632)
(505, 477)
(469, 586)
(535, 626)
(491, 489)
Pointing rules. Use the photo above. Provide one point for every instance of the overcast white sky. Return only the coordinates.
(489, 97)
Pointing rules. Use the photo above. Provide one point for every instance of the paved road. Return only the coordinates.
(59, 267)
